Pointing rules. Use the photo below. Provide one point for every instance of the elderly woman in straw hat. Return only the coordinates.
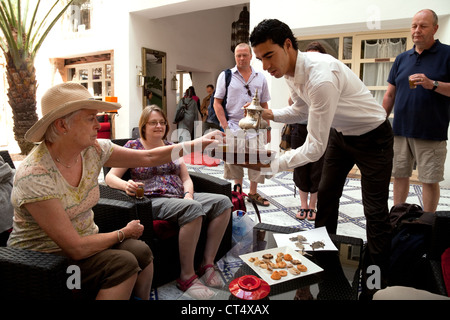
(56, 187)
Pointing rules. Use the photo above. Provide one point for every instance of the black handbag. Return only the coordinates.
(285, 143)
(179, 116)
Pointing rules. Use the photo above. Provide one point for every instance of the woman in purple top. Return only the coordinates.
(173, 199)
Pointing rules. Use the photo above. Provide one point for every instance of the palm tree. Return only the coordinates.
(21, 39)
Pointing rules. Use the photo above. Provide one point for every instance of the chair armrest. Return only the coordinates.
(115, 209)
(440, 236)
(30, 275)
(206, 183)
(437, 278)
(7, 157)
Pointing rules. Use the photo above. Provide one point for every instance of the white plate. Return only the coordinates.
(265, 275)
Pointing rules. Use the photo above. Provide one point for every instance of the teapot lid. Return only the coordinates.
(255, 105)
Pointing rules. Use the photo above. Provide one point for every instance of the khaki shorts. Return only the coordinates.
(111, 267)
(429, 155)
(236, 172)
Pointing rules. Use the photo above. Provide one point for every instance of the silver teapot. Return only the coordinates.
(254, 119)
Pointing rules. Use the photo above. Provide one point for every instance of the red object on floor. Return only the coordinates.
(198, 158)
(249, 287)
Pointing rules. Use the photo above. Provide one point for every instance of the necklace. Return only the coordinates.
(68, 167)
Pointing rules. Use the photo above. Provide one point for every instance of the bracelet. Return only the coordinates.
(118, 235)
(184, 195)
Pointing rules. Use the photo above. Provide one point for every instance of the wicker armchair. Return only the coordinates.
(162, 236)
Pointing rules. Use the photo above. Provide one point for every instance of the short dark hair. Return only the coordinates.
(316, 46)
(272, 29)
(210, 86)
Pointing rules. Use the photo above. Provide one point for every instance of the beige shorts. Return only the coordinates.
(429, 156)
(236, 172)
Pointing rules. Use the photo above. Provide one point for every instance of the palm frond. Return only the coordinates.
(23, 38)
(50, 26)
(7, 26)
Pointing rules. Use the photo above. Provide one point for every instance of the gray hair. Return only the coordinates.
(52, 134)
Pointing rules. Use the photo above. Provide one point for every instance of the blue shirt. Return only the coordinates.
(421, 113)
(238, 93)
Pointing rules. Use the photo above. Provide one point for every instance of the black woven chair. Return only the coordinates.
(162, 236)
(6, 156)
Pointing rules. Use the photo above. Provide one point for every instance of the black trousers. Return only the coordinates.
(307, 177)
(372, 153)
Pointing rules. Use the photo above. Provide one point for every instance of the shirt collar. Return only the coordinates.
(235, 69)
(299, 74)
(433, 48)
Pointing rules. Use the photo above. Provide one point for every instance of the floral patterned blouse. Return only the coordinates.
(38, 179)
(160, 181)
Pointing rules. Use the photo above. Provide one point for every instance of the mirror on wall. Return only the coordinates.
(154, 71)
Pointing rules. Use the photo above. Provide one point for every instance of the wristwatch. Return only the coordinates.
(435, 85)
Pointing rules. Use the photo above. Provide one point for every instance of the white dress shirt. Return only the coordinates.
(328, 94)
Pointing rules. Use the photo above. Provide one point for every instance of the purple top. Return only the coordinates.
(160, 181)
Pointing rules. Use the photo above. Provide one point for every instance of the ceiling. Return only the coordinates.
(175, 7)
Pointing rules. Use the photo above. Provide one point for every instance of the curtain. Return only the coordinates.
(376, 74)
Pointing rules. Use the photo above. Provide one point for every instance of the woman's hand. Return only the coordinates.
(131, 186)
(133, 230)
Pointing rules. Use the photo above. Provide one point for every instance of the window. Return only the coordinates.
(96, 77)
(369, 55)
(79, 15)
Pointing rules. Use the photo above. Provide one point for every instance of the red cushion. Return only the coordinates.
(104, 135)
(105, 126)
(164, 229)
(445, 263)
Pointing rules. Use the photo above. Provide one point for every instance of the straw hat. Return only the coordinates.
(61, 100)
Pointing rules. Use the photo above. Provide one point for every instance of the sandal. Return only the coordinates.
(312, 214)
(301, 214)
(258, 199)
(195, 288)
(212, 279)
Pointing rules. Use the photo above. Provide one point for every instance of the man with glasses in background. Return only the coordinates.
(243, 85)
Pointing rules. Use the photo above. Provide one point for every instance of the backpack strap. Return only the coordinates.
(227, 84)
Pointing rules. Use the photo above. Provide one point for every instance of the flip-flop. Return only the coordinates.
(301, 214)
(312, 215)
(258, 199)
(195, 288)
(211, 279)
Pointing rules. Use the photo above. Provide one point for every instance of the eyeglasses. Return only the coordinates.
(155, 123)
(248, 90)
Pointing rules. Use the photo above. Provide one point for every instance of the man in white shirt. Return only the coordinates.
(329, 95)
(244, 82)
